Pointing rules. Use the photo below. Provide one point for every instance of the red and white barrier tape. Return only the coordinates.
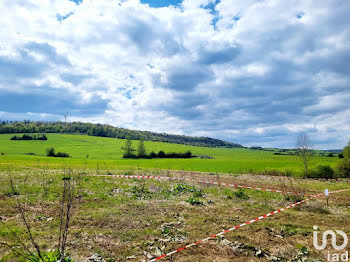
(242, 225)
(201, 181)
(332, 179)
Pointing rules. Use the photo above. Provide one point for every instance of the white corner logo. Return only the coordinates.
(333, 237)
(332, 256)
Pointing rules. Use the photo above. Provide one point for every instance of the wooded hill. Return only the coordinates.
(11, 127)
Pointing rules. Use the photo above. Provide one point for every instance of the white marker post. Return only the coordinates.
(326, 193)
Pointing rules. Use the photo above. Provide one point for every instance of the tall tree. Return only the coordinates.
(141, 150)
(128, 148)
(304, 147)
(344, 165)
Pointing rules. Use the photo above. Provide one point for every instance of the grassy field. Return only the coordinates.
(106, 153)
(135, 220)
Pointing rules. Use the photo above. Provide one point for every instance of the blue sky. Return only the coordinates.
(253, 72)
(162, 3)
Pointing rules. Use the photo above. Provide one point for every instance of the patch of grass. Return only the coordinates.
(242, 194)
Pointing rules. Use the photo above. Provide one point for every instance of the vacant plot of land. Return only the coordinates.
(99, 153)
(138, 219)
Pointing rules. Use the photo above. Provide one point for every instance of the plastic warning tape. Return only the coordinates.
(201, 181)
(332, 179)
(242, 225)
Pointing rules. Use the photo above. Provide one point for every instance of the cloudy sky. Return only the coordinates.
(256, 72)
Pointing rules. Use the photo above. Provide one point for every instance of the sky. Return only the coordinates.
(255, 72)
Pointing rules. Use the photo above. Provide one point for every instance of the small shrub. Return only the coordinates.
(241, 194)
(341, 155)
(2, 154)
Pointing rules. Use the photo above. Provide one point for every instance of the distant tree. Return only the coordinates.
(50, 152)
(341, 155)
(344, 165)
(304, 146)
(152, 155)
(161, 154)
(141, 150)
(188, 154)
(128, 148)
(346, 151)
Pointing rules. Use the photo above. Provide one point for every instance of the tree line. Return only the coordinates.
(129, 152)
(29, 137)
(12, 127)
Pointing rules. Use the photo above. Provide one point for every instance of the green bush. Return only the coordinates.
(344, 167)
(241, 194)
(322, 171)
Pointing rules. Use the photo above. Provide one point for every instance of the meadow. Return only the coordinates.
(100, 152)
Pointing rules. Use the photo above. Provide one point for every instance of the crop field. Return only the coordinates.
(106, 153)
(131, 219)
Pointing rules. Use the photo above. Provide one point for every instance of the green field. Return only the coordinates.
(100, 152)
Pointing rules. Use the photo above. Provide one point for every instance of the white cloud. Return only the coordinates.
(269, 68)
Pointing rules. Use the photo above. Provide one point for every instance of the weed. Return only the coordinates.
(241, 193)
(140, 192)
(50, 256)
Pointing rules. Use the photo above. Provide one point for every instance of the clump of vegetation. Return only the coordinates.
(322, 171)
(184, 188)
(50, 256)
(140, 192)
(241, 193)
(29, 137)
(195, 201)
(51, 153)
